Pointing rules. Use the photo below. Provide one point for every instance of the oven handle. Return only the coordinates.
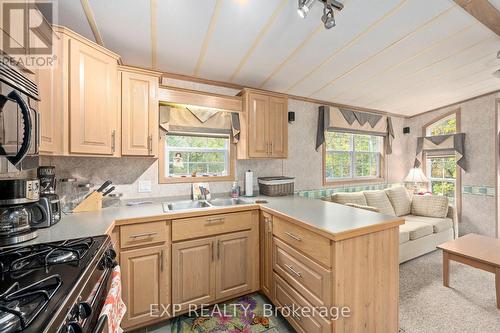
(102, 324)
(27, 123)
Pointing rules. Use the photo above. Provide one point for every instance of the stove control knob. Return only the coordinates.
(84, 310)
(111, 253)
(74, 327)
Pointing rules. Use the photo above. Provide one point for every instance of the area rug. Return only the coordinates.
(241, 315)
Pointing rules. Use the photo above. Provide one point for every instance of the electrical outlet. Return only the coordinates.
(144, 186)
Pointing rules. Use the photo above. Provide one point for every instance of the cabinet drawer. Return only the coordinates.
(310, 243)
(286, 296)
(143, 234)
(209, 225)
(310, 279)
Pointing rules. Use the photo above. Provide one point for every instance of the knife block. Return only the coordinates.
(90, 204)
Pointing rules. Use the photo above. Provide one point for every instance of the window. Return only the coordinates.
(188, 156)
(351, 156)
(442, 174)
(447, 125)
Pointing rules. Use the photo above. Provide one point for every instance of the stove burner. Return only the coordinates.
(44, 255)
(19, 306)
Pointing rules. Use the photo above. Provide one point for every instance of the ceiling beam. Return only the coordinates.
(484, 12)
(208, 37)
(92, 23)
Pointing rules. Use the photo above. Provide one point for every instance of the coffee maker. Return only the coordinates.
(16, 196)
(47, 211)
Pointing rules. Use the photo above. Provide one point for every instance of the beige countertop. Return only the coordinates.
(332, 220)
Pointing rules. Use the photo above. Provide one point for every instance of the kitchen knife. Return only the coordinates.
(108, 191)
(103, 186)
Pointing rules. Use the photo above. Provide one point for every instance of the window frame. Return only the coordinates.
(357, 180)
(164, 178)
(458, 180)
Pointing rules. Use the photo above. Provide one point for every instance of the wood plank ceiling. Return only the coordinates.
(400, 56)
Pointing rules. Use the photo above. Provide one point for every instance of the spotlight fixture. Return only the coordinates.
(328, 18)
(304, 7)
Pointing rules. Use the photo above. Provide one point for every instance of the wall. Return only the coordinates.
(479, 182)
(303, 163)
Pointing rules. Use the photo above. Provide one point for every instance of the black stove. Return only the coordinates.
(52, 287)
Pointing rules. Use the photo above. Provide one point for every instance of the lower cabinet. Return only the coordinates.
(145, 283)
(212, 268)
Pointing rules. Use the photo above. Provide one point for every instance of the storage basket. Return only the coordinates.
(276, 186)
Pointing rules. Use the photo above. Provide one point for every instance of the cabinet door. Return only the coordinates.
(139, 114)
(278, 127)
(258, 125)
(193, 272)
(145, 282)
(93, 100)
(266, 255)
(234, 264)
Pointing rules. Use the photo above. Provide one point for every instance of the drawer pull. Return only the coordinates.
(215, 219)
(145, 234)
(161, 260)
(297, 238)
(290, 268)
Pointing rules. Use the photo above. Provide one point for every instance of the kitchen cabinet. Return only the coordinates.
(145, 283)
(193, 272)
(264, 126)
(139, 107)
(266, 254)
(93, 107)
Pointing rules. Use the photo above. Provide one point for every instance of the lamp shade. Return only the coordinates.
(416, 175)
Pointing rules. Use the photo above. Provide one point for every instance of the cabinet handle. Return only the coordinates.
(290, 268)
(271, 147)
(150, 144)
(145, 234)
(216, 219)
(113, 138)
(297, 238)
(218, 249)
(269, 226)
(213, 252)
(161, 260)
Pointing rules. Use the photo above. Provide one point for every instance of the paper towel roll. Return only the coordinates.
(249, 183)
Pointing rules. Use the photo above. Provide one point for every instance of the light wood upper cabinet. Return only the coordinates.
(264, 126)
(266, 254)
(193, 272)
(139, 105)
(93, 108)
(145, 282)
(234, 264)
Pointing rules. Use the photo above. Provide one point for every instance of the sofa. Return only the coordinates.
(429, 219)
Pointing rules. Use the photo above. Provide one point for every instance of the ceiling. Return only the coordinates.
(399, 56)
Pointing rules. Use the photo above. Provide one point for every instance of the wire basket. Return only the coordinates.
(276, 186)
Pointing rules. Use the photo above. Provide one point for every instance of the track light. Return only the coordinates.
(328, 18)
(304, 7)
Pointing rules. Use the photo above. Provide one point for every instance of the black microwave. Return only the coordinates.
(19, 118)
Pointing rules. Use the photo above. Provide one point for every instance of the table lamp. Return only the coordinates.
(415, 178)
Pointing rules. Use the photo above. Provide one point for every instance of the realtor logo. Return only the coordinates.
(27, 36)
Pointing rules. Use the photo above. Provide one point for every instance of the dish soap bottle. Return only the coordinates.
(235, 190)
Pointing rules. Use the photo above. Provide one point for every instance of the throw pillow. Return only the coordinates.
(357, 198)
(400, 200)
(429, 205)
(380, 200)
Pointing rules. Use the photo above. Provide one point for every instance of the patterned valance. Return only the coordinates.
(351, 121)
(188, 120)
(442, 143)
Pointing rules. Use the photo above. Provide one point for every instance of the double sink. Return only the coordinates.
(197, 204)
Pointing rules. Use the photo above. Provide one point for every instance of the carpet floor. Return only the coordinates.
(426, 306)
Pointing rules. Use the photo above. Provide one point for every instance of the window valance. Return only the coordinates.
(190, 120)
(344, 120)
(442, 143)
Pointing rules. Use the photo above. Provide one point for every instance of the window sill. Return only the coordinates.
(190, 180)
(343, 182)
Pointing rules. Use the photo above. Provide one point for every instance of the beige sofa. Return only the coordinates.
(429, 220)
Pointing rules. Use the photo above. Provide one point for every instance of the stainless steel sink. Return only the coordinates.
(184, 205)
(228, 202)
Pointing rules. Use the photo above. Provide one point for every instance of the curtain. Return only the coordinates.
(434, 144)
(184, 120)
(344, 120)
